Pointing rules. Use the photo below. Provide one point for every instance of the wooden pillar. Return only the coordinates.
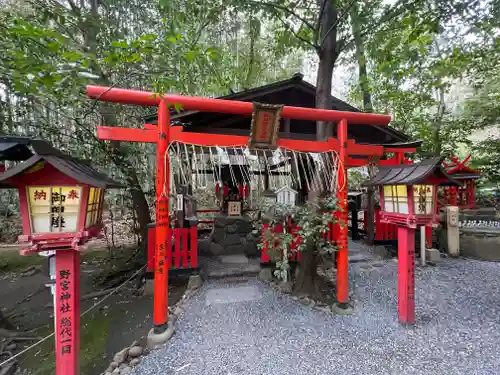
(67, 312)
(342, 252)
(160, 308)
(406, 275)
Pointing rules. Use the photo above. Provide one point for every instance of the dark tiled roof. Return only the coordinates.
(412, 174)
(70, 166)
(14, 148)
(297, 82)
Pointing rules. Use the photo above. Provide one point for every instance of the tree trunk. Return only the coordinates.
(327, 54)
(89, 29)
(367, 107)
(306, 284)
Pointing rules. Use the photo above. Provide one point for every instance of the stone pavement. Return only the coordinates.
(243, 326)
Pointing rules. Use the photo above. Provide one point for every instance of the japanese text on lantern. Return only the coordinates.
(54, 208)
(64, 313)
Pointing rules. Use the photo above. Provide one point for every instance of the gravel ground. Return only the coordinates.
(457, 330)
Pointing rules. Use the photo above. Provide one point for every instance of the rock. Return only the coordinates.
(204, 246)
(295, 298)
(216, 249)
(232, 229)
(381, 251)
(121, 356)
(109, 369)
(285, 287)
(135, 351)
(134, 362)
(122, 366)
(116, 370)
(113, 365)
(312, 303)
(233, 239)
(324, 309)
(126, 370)
(178, 310)
(194, 282)
(157, 340)
(134, 343)
(266, 274)
(108, 373)
(218, 235)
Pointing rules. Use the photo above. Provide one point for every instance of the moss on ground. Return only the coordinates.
(11, 261)
(94, 335)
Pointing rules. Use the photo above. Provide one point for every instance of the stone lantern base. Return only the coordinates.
(233, 235)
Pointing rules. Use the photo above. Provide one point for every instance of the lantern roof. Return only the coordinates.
(460, 170)
(75, 168)
(413, 174)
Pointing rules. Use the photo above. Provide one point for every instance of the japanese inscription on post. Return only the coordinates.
(265, 125)
(64, 313)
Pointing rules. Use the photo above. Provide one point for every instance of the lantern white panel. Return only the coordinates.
(40, 223)
(389, 206)
(403, 207)
(70, 222)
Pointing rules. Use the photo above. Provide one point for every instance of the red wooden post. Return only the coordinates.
(193, 246)
(67, 312)
(160, 307)
(406, 275)
(342, 257)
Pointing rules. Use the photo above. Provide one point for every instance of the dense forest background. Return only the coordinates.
(433, 65)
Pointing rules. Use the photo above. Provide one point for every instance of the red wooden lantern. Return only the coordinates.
(61, 201)
(408, 197)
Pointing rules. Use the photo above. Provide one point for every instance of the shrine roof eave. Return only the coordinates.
(14, 148)
(412, 174)
(72, 167)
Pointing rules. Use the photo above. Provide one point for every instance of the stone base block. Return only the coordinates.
(432, 255)
(157, 340)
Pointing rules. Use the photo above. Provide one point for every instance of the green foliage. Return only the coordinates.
(312, 219)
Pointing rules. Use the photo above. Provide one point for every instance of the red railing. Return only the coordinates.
(383, 231)
(182, 255)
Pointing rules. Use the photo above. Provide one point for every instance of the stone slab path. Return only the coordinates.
(244, 327)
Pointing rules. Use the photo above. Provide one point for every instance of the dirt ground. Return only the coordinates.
(114, 324)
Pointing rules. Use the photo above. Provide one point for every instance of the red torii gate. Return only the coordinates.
(163, 134)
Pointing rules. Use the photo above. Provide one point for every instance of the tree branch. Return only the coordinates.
(318, 22)
(389, 16)
(285, 9)
(304, 40)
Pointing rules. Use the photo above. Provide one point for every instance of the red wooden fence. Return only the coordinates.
(296, 241)
(182, 255)
(383, 231)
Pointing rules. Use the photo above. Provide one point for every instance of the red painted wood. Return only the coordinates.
(84, 199)
(24, 209)
(185, 247)
(406, 275)
(67, 312)
(177, 248)
(160, 300)
(193, 249)
(342, 250)
(151, 249)
(123, 96)
(264, 256)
